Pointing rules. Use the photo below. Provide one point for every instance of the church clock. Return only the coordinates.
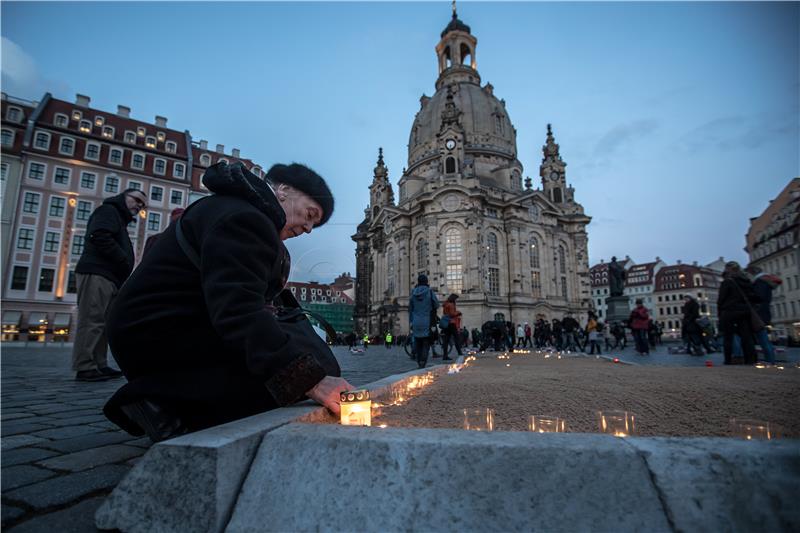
(450, 144)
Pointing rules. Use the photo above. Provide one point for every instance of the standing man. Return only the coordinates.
(106, 262)
(422, 304)
(640, 322)
(388, 339)
(763, 285)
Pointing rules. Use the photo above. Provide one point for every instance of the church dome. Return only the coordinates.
(455, 25)
(483, 117)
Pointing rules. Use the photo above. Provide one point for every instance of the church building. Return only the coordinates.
(464, 217)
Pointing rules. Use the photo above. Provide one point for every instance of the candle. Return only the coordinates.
(749, 429)
(479, 419)
(617, 423)
(356, 408)
(546, 424)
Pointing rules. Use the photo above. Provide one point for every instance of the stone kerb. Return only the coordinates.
(190, 483)
(341, 478)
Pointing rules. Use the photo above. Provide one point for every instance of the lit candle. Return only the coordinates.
(479, 419)
(617, 423)
(356, 408)
(753, 429)
(546, 424)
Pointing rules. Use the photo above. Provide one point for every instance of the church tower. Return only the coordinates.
(463, 216)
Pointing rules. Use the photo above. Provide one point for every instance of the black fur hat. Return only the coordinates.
(306, 180)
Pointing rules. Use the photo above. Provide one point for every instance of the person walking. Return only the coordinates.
(593, 333)
(558, 334)
(421, 306)
(570, 326)
(365, 341)
(520, 336)
(640, 323)
(691, 327)
(528, 333)
(763, 285)
(452, 331)
(388, 339)
(735, 304)
(106, 262)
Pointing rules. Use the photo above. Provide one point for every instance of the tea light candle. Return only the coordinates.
(479, 419)
(753, 429)
(546, 424)
(617, 423)
(356, 408)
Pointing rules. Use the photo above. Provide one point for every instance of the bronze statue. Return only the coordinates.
(616, 277)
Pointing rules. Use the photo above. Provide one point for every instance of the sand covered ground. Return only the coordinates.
(667, 401)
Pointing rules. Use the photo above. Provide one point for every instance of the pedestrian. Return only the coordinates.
(639, 324)
(735, 304)
(365, 340)
(570, 327)
(558, 334)
(193, 328)
(388, 339)
(476, 338)
(763, 285)
(106, 262)
(464, 337)
(451, 332)
(691, 327)
(593, 330)
(421, 306)
(520, 335)
(151, 240)
(528, 333)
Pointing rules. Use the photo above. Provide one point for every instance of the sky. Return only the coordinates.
(678, 121)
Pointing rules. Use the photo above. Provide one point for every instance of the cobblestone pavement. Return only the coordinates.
(61, 457)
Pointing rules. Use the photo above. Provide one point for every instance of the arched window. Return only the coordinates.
(492, 256)
(557, 195)
(205, 160)
(450, 165)
(390, 272)
(534, 252)
(454, 257)
(448, 62)
(562, 259)
(466, 55)
(422, 256)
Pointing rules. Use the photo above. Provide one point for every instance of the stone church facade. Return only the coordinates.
(464, 216)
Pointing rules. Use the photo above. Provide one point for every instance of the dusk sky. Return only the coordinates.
(678, 121)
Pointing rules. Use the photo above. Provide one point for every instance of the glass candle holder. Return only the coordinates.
(479, 419)
(617, 423)
(750, 429)
(546, 424)
(356, 408)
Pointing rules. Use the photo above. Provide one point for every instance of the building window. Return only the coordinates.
(154, 222)
(534, 252)
(150, 142)
(41, 140)
(176, 198)
(77, 244)
(61, 176)
(138, 161)
(205, 160)
(156, 193)
(422, 257)
(14, 114)
(171, 147)
(92, 151)
(67, 146)
(108, 132)
(454, 256)
(115, 156)
(178, 170)
(564, 287)
(88, 180)
(557, 195)
(85, 126)
(492, 256)
(51, 241)
(390, 272)
(130, 137)
(30, 203)
(140, 131)
(57, 206)
(562, 260)
(76, 115)
(450, 165)
(135, 185)
(536, 284)
(160, 167)
(25, 239)
(19, 278)
(8, 138)
(61, 120)
(84, 210)
(112, 184)
(36, 171)
(72, 283)
(46, 276)
(493, 281)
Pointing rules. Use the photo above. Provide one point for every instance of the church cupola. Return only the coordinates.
(380, 192)
(456, 53)
(553, 172)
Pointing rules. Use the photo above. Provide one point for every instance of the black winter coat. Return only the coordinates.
(107, 249)
(764, 292)
(691, 312)
(731, 300)
(205, 340)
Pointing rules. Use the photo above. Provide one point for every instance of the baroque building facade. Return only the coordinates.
(464, 217)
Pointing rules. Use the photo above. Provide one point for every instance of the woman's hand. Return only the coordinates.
(326, 392)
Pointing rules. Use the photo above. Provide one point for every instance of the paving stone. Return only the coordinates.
(64, 489)
(105, 424)
(78, 420)
(10, 513)
(24, 455)
(16, 415)
(85, 442)
(142, 442)
(79, 412)
(49, 408)
(24, 426)
(67, 432)
(76, 519)
(18, 476)
(91, 458)
(17, 441)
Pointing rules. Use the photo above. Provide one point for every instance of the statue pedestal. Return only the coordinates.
(618, 309)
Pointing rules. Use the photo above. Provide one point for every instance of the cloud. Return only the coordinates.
(21, 76)
(624, 133)
(738, 132)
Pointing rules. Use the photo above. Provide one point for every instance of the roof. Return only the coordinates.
(638, 275)
(455, 25)
(677, 277)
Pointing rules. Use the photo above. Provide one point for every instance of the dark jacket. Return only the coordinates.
(764, 292)
(731, 299)
(691, 312)
(640, 318)
(422, 302)
(211, 325)
(107, 249)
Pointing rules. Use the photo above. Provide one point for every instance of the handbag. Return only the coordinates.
(756, 324)
(444, 322)
(291, 317)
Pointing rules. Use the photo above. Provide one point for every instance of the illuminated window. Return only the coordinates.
(108, 132)
(150, 142)
(454, 256)
(130, 137)
(85, 126)
(76, 115)
(171, 147)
